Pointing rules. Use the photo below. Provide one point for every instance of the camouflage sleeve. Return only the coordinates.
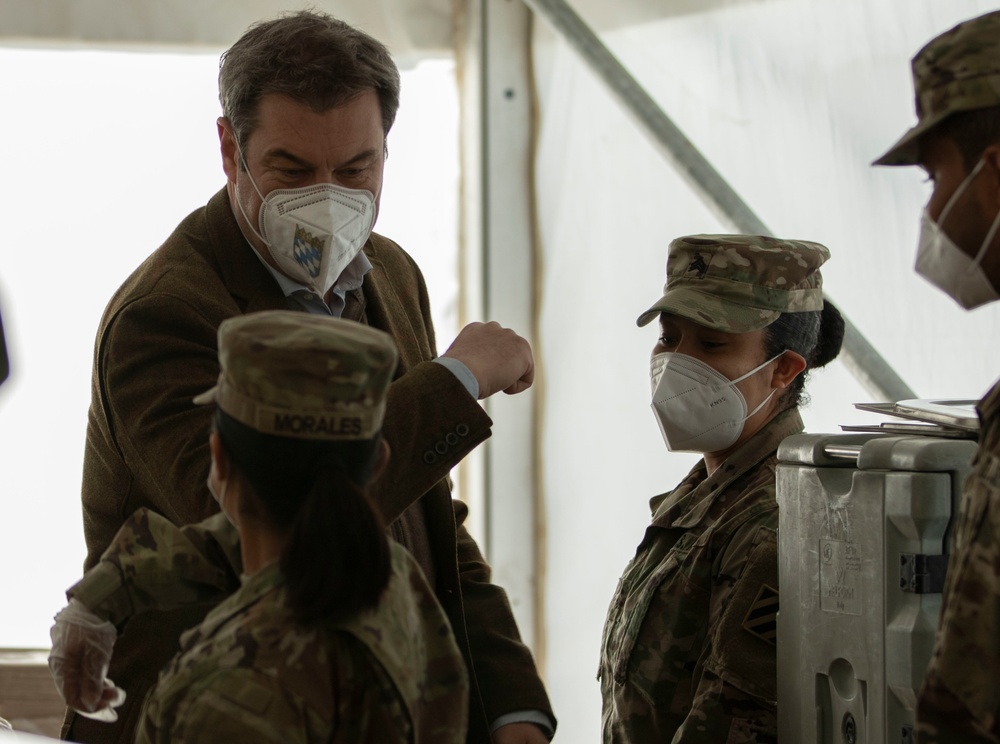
(153, 564)
(735, 698)
(724, 713)
(960, 697)
(942, 718)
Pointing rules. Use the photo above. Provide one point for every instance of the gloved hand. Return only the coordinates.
(81, 651)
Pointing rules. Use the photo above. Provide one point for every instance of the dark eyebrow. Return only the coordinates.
(366, 155)
(285, 155)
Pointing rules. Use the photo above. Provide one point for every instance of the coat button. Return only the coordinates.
(430, 458)
(440, 447)
(462, 430)
(451, 439)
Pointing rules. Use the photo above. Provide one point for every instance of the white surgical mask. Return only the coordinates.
(946, 266)
(698, 409)
(314, 232)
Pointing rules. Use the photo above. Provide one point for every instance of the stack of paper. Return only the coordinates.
(937, 418)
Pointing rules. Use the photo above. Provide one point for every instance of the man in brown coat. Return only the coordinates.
(307, 104)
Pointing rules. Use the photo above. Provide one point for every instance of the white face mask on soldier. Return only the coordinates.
(314, 232)
(946, 266)
(698, 409)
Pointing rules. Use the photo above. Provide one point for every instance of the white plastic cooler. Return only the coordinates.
(862, 540)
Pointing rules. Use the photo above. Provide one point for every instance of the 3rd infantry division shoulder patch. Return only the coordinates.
(762, 618)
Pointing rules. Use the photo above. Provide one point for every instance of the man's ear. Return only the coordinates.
(789, 366)
(227, 144)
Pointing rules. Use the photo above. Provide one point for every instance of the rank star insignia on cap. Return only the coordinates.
(305, 376)
(956, 71)
(739, 283)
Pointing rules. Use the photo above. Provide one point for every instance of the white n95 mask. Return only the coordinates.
(698, 409)
(946, 266)
(314, 232)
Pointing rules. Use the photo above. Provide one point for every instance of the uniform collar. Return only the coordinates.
(687, 505)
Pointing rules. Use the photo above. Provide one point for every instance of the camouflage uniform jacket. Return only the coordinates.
(960, 698)
(688, 653)
(248, 673)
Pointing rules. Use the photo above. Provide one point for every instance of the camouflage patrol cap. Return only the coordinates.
(956, 71)
(739, 283)
(305, 376)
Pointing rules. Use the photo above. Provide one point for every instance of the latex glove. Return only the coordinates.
(81, 652)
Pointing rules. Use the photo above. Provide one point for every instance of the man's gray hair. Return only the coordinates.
(310, 57)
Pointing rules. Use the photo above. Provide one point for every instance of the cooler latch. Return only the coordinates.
(922, 574)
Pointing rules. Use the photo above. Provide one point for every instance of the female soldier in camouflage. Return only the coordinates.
(334, 635)
(688, 653)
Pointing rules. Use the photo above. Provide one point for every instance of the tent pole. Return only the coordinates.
(859, 356)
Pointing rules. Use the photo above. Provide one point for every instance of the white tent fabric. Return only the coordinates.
(412, 29)
(790, 100)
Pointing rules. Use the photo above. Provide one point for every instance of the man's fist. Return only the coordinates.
(497, 357)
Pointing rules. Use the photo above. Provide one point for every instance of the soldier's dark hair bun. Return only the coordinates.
(831, 336)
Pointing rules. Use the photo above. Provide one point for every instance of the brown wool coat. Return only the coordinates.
(147, 445)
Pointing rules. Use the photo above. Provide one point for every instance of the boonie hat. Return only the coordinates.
(305, 376)
(956, 71)
(739, 283)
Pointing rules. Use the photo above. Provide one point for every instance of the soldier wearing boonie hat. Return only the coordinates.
(741, 318)
(956, 79)
(306, 376)
(956, 71)
(739, 283)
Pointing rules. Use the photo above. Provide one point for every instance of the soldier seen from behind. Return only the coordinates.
(333, 634)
